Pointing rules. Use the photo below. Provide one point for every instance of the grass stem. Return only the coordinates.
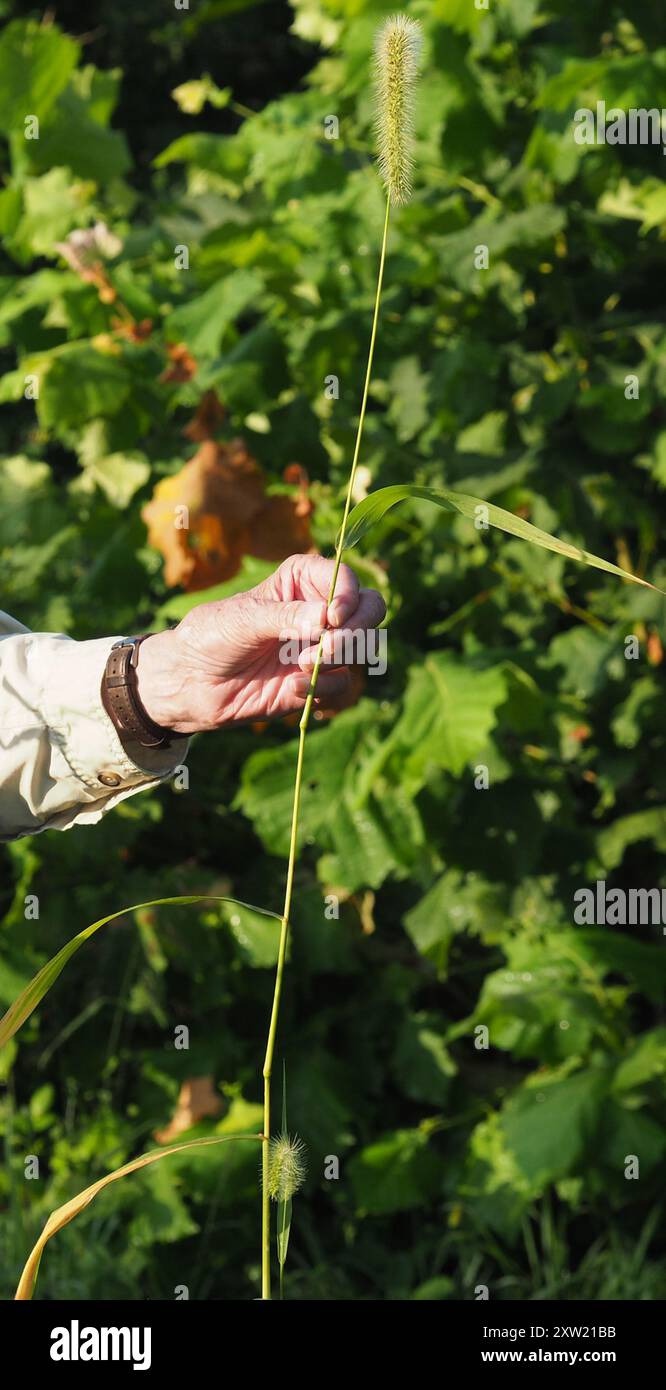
(293, 843)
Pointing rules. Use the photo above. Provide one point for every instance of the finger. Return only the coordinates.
(345, 601)
(296, 619)
(329, 683)
(348, 644)
(309, 577)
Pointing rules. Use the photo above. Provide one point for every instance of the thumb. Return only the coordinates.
(295, 619)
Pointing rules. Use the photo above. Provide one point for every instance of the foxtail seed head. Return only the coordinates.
(397, 54)
(286, 1167)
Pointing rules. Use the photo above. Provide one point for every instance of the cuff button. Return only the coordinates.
(109, 779)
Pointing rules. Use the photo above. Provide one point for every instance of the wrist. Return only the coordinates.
(161, 682)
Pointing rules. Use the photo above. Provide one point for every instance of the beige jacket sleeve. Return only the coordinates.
(61, 761)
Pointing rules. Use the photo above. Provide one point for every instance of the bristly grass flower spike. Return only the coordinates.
(397, 56)
(286, 1169)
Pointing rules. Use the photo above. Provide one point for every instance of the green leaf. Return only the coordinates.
(625, 1130)
(548, 1128)
(375, 506)
(408, 386)
(191, 97)
(505, 236)
(77, 384)
(630, 830)
(203, 322)
(422, 1063)
(449, 711)
(524, 1009)
(457, 902)
(458, 15)
(642, 962)
(73, 137)
(254, 933)
(645, 1061)
(399, 1172)
(267, 780)
(32, 995)
(119, 476)
(36, 61)
(52, 206)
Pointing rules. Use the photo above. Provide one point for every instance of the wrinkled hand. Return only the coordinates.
(223, 662)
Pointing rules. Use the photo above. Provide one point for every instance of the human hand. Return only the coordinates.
(225, 661)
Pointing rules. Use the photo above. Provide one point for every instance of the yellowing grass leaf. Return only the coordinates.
(376, 504)
(33, 993)
(284, 1208)
(63, 1215)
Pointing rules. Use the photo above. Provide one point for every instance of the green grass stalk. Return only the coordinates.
(293, 842)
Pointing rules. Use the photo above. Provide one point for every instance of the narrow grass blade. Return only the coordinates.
(377, 504)
(283, 1231)
(63, 1215)
(33, 993)
(283, 1207)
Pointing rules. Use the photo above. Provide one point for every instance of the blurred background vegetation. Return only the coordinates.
(204, 130)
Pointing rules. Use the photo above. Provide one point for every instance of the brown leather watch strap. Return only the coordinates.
(120, 697)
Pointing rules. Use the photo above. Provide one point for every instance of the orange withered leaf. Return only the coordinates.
(182, 365)
(197, 1100)
(214, 511)
(282, 527)
(198, 518)
(206, 422)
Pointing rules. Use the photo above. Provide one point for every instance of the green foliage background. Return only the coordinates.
(458, 1166)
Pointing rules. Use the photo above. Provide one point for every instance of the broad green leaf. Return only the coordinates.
(505, 236)
(36, 61)
(450, 709)
(28, 508)
(203, 321)
(408, 410)
(218, 154)
(73, 138)
(267, 780)
(649, 824)
(625, 1130)
(548, 1128)
(77, 384)
(524, 1009)
(119, 476)
(66, 1213)
(31, 291)
(375, 506)
(457, 14)
(422, 1064)
(582, 654)
(52, 205)
(617, 953)
(32, 995)
(646, 1061)
(369, 824)
(457, 902)
(399, 1172)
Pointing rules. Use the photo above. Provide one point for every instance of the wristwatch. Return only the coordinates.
(120, 697)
